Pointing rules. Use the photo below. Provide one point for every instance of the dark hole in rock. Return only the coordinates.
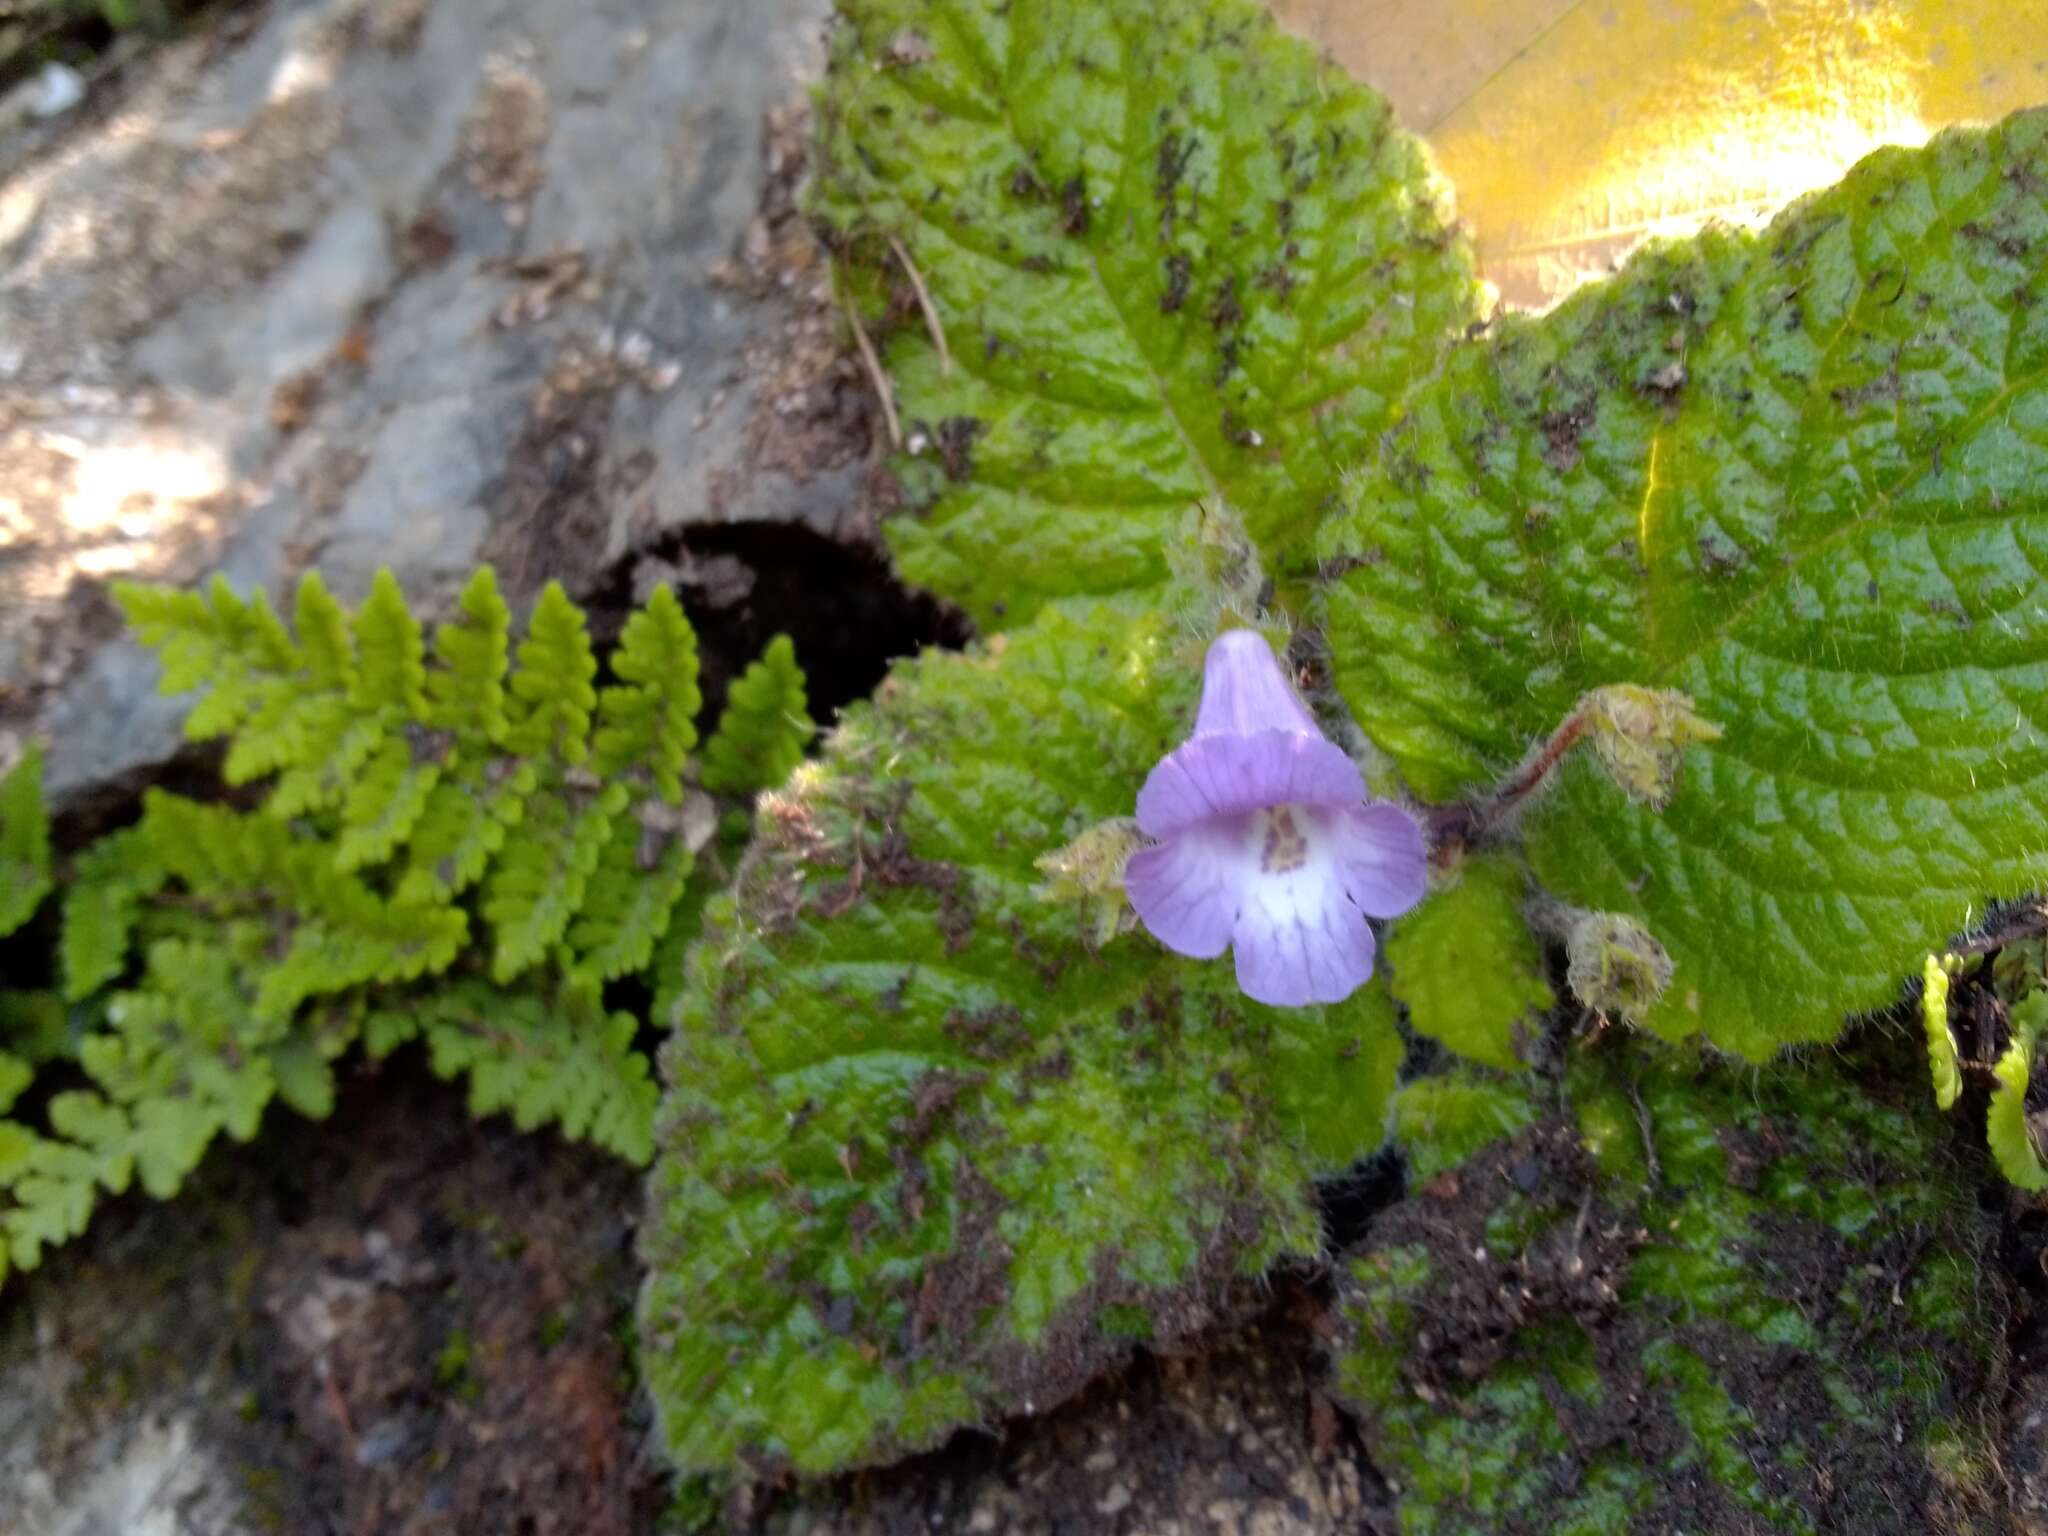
(1351, 1199)
(742, 584)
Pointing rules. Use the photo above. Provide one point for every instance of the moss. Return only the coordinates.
(1687, 1300)
(453, 1367)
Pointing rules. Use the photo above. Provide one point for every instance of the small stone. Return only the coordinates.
(383, 1441)
(58, 89)
(1118, 1498)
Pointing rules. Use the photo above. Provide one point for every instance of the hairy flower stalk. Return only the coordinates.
(1264, 843)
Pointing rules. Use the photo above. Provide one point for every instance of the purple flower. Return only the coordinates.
(1265, 842)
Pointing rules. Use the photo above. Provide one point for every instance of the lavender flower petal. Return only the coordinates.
(1298, 941)
(1185, 890)
(1380, 856)
(1266, 844)
(1244, 690)
(1230, 775)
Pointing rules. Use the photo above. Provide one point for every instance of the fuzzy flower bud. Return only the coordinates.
(1617, 967)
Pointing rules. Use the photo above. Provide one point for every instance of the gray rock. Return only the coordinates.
(406, 283)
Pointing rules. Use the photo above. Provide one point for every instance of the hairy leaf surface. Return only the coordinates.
(1174, 258)
(1801, 477)
(928, 1157)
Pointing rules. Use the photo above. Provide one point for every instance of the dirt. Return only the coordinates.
(400, 1321)
(1232, 1436)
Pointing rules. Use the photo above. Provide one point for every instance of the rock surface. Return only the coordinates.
(411, 283)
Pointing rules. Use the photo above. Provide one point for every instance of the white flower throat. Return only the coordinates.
(1281, 833)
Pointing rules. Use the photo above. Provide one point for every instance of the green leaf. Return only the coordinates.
(237, 651)
(562, 1061)
(325, 642)
(638, 881)
(2005, 1123)
(1467, 966)
(391, 677)
(15, 1076)
(56, 1181)
(1801, 477)
(466, 821)
(538, 885)
(387, 799)
(552, 691)
(766, 725)
(1684, 1289)
(304, 1078)
(927, 1157)
(1176, 260)
(648, 721)
(36, 1026)
(467, 691)
(101, 906)
(1943, 1063)
(24, 842)
(1441, 1122)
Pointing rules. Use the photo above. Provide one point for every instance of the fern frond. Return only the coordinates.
(648, 722)
(540, 879)
(766, 725)
(15, 1076)
(391, 667)
(24, 842)
(389, 796)
(55, 1181)
(563, 1061)
(35, 1026)
(338, 743)
(236, 650)
(101, 905)
(386, 1029)
(325, 644)
(339, 933)
(632, 894)
(465, 824)
(553, 691)
(466, 693)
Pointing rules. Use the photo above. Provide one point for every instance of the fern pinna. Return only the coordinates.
(456, 844)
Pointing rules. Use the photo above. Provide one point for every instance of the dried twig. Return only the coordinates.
(876, 377)
(924, 302)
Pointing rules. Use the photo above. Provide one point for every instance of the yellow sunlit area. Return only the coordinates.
(1573, 129)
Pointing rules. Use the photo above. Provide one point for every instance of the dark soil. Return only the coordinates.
(399, 1321)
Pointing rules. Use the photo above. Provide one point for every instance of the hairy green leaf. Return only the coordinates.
(1441, 1121)
(927, 1156)
(1175, 259)
(1467, 966)
(2005, 1122)
(1801, 477)
(1943, 1064)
